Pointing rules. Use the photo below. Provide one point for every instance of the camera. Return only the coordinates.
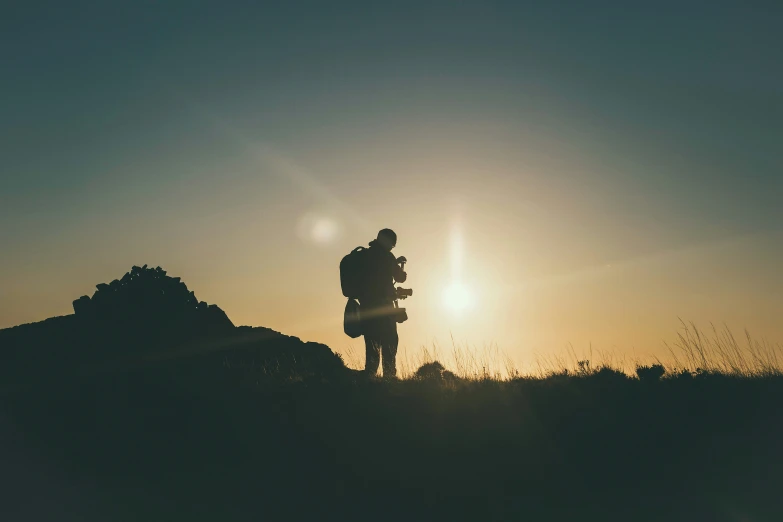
(400, 315)
(402, 293)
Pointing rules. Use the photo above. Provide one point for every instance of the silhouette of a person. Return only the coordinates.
(377, 304)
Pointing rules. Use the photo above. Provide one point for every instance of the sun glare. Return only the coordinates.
(318, 229)
(457, 297)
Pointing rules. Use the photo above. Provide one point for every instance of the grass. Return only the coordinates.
(719, 351)
(224, 437)
(694, 350)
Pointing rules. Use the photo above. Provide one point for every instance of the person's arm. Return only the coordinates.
(399, 274)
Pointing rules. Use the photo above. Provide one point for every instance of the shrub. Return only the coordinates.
(650, 373)
(434, 371)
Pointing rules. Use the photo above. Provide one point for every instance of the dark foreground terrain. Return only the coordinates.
(147, 404)
(221, 436)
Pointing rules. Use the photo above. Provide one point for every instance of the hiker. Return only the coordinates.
(376, 298)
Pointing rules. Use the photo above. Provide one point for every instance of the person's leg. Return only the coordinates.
(389, 347)
(372, 349)
(372, 342)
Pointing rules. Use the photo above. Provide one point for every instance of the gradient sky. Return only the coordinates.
(590, 170)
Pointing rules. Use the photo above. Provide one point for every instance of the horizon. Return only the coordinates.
(586, 190)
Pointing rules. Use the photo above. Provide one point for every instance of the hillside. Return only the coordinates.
(250, 424)
(142, 319)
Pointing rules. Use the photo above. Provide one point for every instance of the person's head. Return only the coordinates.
(387, 239)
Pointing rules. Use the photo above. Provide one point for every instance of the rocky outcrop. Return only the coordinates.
(148, 301)
(149, 319)
(144, 312)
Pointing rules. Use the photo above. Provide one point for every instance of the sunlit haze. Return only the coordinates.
(545, 191)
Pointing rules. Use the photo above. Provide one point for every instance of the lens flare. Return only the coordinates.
(324, 230)
(318, 229)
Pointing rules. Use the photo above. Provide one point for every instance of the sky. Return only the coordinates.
(585, 173)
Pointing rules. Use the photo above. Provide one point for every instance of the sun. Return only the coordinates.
(457, 297)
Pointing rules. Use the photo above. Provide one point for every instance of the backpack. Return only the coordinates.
(352, 320)
(353, 272)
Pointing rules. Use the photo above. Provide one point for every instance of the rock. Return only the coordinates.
(217, 318)
(148, 305)
(82, 307)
